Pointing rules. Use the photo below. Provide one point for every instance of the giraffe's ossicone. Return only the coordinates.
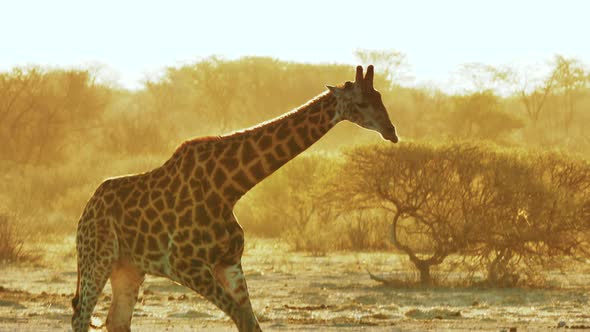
(177, 220)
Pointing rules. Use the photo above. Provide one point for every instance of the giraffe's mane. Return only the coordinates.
(308, 104)
(270, 122)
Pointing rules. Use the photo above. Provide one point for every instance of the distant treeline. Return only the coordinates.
(64, 130)
(46, 113)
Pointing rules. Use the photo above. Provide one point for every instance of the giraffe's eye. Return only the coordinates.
(362, 105)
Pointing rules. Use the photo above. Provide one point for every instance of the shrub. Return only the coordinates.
(289, 200)
(361, 230)
(513, 212)
(11, 243)
(541, 218)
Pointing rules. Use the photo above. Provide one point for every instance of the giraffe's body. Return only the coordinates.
(177, 220)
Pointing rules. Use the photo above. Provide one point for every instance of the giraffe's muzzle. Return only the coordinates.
(390, 135)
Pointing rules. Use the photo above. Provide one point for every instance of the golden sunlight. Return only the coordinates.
(303, 165)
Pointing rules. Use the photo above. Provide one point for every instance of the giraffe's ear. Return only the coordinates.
(333, 89)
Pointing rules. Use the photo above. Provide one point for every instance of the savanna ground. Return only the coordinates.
(297, 291)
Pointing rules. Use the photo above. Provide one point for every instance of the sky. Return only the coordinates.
(133, 40)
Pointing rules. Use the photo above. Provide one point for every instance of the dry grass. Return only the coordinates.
(12, 244)
(296, 291)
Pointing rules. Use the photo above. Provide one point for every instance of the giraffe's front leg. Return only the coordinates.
(228, 273)
(231, 279)
(224, 286)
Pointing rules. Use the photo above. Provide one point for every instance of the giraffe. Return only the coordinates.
(177, 220)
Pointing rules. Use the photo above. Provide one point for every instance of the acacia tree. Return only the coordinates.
(392, 63)
(570, 77)
(531, 89)
(479, 111)
(224, 95)
(476, 77)
(507, 213)
(41, 110)
(537, 216)
(428, 113)
(480, 115)
(420, 187)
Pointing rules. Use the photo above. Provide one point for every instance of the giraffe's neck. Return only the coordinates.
(266, 147)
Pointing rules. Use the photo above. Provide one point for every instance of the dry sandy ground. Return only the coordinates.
(298, 292)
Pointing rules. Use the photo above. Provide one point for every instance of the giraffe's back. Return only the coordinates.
(163, 219)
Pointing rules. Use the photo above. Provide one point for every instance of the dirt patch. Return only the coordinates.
(191, 314)
(297, 292)
(433, 314)
(12, 304)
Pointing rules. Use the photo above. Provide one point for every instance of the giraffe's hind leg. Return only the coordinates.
(125, 281)
(95, 258)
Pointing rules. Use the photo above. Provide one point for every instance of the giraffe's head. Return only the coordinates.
(360, 103)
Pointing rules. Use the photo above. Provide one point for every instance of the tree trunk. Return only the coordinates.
(424, 269)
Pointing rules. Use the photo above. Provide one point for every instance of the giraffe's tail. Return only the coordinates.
(76, 299)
